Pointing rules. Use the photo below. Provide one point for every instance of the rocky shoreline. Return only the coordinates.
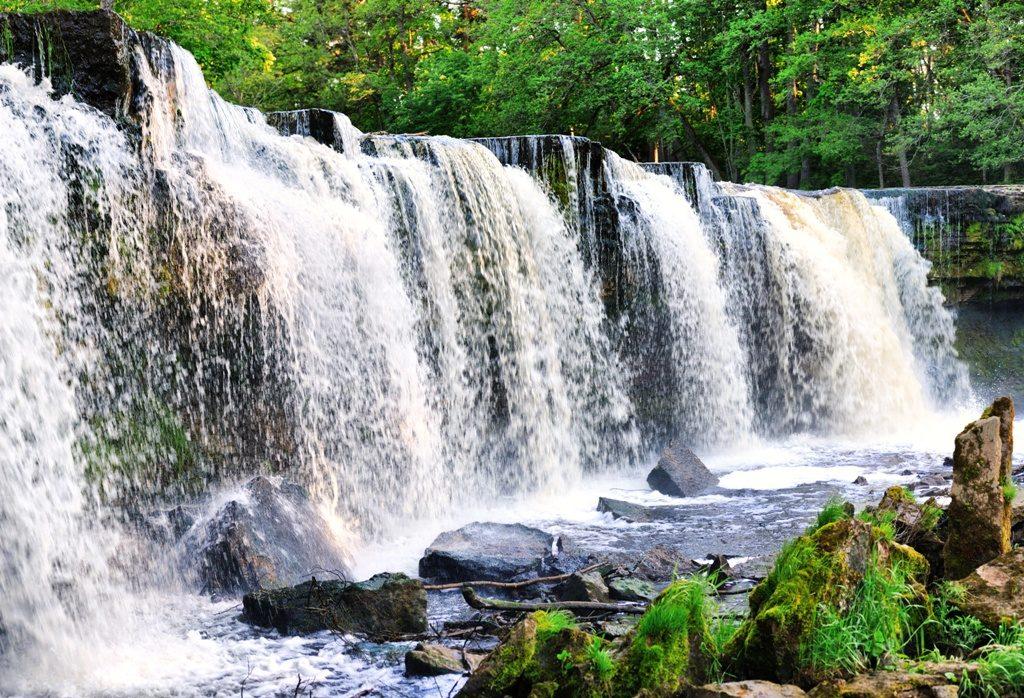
(909, 597)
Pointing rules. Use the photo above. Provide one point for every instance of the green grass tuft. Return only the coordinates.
(835, 509)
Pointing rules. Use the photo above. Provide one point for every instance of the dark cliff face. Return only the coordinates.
(92, 55)
(973, 235)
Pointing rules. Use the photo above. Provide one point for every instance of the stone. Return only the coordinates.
(434, 660)
(994, 592)
(886, 684)
(824, 569)
(979, 513)
(87, 54)
(488, 552)
(588, 586)
(680, 473)
(746, 689)
(638, 513)
(932, 480)
(631, 589)
(385, 607)
(860, 480)
(268, 535)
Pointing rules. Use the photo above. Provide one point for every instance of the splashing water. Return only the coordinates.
(406, 325)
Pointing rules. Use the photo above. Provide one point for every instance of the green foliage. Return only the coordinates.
(552, 622)
(950, 632)
(1009, 491)
(807, 93)
(600, 660)
(883, 620)
(1000, 666)
(672, 639)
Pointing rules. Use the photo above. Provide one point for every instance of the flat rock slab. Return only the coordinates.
(887, 684)
(747, 689)
(384, 607)
(680, 473)
(995, 591)
(427, 659)
(639, 513)
(488, 552)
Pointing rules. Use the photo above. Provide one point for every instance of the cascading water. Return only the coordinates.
(405, 325)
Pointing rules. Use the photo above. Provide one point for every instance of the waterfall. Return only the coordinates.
(402, 323)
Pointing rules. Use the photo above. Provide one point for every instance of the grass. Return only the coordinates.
(600, 660)
(1000, 670)
(950, 632)
(884, 620)
(835, 509)
(1009, 491)
(673, 639)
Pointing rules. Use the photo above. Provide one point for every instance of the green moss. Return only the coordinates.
(837, 599)
(673, 641)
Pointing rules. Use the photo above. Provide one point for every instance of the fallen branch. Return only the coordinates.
(512, 585)
(482, 603)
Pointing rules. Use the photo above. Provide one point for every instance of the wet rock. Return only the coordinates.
(680, 473)
(87, 54)
(638, 513)
(384, 607)
(488, 552)
(860, 480)
(911, 520)
(269, 535)
(616, 626)
(979, 513)
(588, 586)
(435, 660)
(631, 589)
(746, 689)
(886, 684)
(933, 480)
(995, 591)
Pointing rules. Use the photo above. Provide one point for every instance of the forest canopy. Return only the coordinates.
(803, 93)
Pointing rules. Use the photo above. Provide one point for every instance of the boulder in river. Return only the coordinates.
(631, 589)
(680, 473)
(979, 513)
(489, 552)
(428, 659)
(270, 534)
(384, 607)
(585, 586)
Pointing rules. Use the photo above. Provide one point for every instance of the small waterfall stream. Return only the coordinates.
(404, 324)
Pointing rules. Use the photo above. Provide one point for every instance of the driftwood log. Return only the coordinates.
(482, 603)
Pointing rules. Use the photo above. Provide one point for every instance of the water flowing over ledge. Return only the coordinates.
(196, 292)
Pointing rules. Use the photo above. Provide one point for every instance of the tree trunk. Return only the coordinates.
(748, 99)
(805, 172)
(764, 68)
(1008, 173)
(851, 176)
(881, 165)
(705, 155)
(904, 167)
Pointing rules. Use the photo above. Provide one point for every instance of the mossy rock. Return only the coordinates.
(815, 577)
(544, 656)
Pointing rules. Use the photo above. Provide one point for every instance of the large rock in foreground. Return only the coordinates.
(747, 689)
(994, 593)
(384, 607)
(489, 552)
(267, 536)
(818, 578)
(680, 473)
(980, 511)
